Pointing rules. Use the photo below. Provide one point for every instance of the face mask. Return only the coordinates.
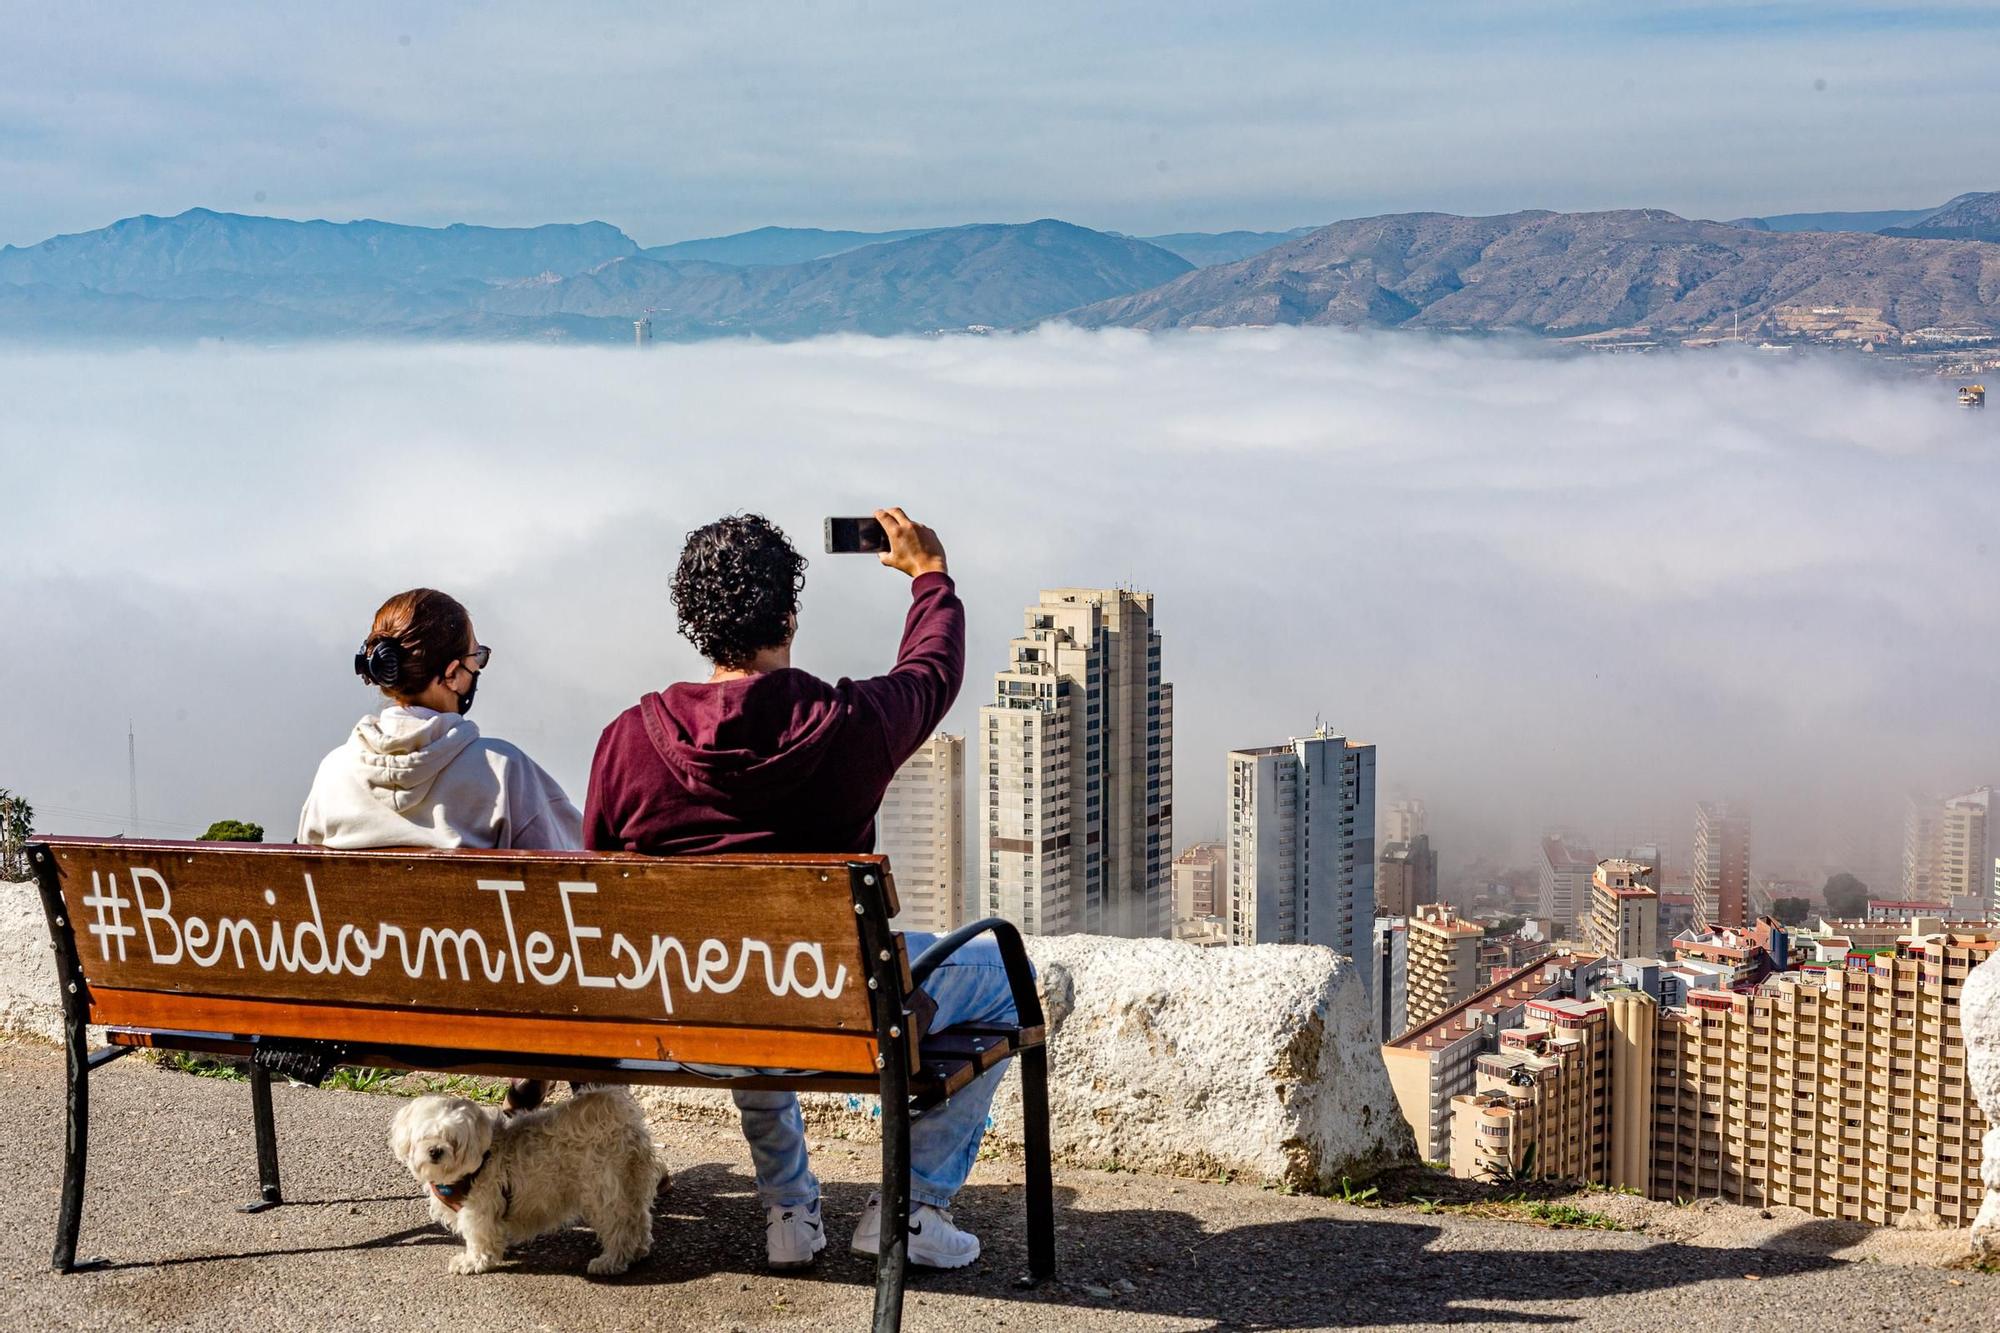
(465, 700)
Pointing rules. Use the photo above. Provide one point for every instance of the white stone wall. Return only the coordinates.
(1979, 1019)
(1260, 1062)
(28, 1002)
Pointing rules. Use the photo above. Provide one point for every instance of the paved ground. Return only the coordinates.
(173, 1153)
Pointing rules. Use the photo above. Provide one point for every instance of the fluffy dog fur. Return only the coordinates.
(589, 1157)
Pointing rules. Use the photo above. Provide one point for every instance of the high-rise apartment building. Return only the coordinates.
(921, 828)
(1966, 843)
(1433, 1062)
(1076, 751)
(1565, 891)
(1721, 865)
(1302, 843)
(1839, 1090)
(1443, 967)
(1404, 821)
(1389, 988)
(1405, 877)
(1624, 910)
(1567, 1095)
(1197, 874)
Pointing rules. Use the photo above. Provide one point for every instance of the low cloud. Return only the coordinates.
(1553, 590)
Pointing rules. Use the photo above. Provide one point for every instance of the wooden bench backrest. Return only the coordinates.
(733, 960)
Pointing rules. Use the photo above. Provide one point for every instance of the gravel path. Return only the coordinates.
(173, 1153)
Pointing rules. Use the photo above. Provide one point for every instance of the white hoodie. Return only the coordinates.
(414, 777)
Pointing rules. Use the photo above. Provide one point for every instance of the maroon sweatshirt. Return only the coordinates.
(781, 762)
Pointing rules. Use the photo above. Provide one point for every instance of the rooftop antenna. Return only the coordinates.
(131, 781)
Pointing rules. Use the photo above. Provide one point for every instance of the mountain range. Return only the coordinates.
(1572, 274)
(1618, 273)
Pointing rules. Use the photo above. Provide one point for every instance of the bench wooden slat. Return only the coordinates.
(608, 1039)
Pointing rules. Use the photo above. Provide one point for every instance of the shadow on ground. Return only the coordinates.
(1358, 1269)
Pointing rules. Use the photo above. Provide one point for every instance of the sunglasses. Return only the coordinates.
(478, 657)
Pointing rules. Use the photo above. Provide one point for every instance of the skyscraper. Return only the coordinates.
(1404, 821)
(1565, 890)
(1721, 865)
(921, 828)
(1406, 877)
(1948, 850)
(1077, 755)
(1302, 843)
(1624, 910)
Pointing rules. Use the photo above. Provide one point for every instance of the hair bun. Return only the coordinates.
(380, 663)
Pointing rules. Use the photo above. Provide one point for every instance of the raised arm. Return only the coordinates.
(930, 665)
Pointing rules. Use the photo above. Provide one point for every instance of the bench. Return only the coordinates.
(592, 967)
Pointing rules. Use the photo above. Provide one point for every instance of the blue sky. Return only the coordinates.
(677, 120)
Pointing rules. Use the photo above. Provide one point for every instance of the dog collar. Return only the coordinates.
(453, 1194)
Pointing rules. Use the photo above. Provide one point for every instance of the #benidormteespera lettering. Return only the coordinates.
(505, 956)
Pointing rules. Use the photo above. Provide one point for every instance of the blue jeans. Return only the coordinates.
(970, 987)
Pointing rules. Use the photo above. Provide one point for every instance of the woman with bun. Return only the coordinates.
(418, 773)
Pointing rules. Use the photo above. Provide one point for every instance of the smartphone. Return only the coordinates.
(855, 536)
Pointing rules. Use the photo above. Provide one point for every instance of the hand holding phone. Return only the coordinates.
(893, 536)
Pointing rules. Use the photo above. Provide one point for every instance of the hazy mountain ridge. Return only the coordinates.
(1970, 217)
(988, 274)
(148, 253)
(203, 274)
(1568, 274)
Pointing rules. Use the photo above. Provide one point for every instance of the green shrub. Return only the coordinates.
(233, 830)
(17, 825)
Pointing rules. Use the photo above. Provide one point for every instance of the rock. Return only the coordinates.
(29, 1005)
(1979, 1019)
(1259, 1063)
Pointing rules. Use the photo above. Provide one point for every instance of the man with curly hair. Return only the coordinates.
(763, 757)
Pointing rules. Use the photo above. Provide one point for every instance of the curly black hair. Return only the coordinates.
(737, 588)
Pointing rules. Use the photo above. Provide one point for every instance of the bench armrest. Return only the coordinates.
(1013, 957)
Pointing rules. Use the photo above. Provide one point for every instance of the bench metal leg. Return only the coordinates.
(1040, 1179)
(76, 1144)
(893, 1258)
(269, 1195)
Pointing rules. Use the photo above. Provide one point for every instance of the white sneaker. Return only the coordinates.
(935, 1240)
(792, 1236)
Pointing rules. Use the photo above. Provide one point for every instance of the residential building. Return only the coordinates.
(1301, 866)
(1920, 848)
(1434, 1062)
(1443, 961)
(1406, 877)
(1721, 865)
(1624, 910)
(1540, 1101)
(1840, 1090)
(921, 828)
(1966, 843)
(1404, 821)
(1077, 754)
(1565, 891)
(1196, 872)
(1390, 986)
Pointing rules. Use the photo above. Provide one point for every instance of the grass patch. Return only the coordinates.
(1567, 1216)
(350, 1078)
(485, 1091)
(200, 1066)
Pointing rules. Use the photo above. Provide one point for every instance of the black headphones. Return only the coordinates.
(381, 664)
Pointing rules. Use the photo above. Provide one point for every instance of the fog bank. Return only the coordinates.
(1552, 590)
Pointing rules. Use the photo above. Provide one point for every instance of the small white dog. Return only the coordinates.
(498, 1180)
